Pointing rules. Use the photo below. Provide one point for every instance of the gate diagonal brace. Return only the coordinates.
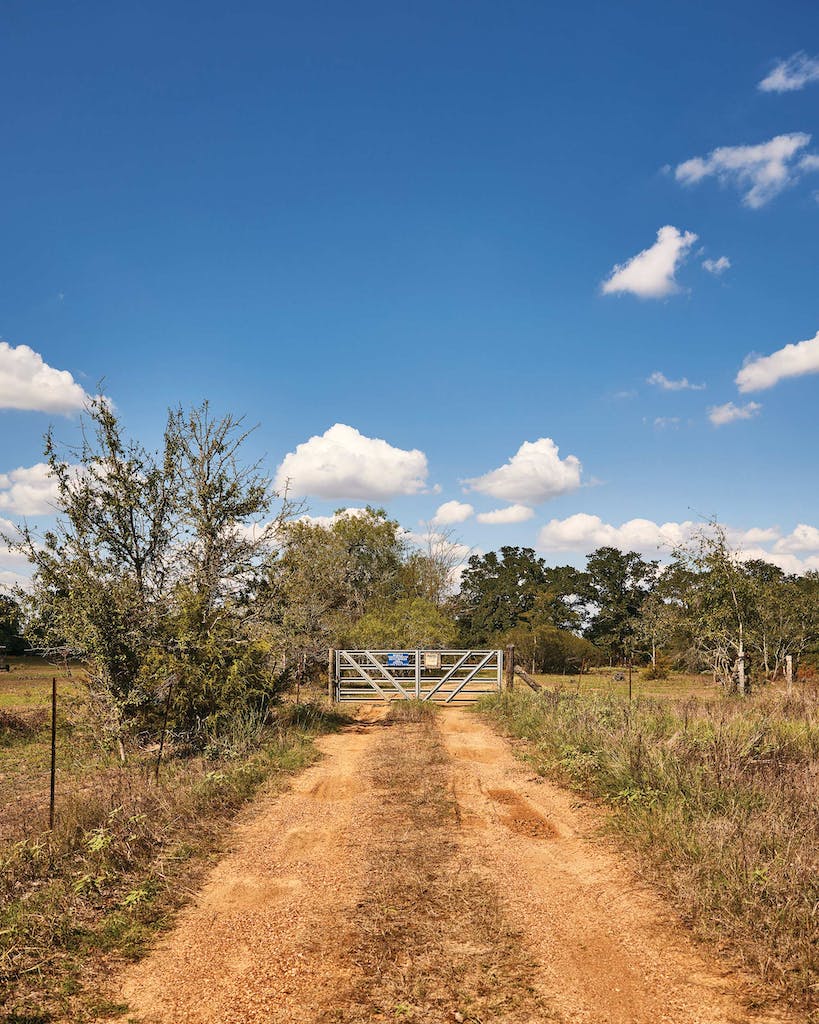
(448, 676)
(387, 676)
(471, 675)
(362, 674)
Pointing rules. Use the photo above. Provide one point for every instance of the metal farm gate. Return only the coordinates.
(444, 677)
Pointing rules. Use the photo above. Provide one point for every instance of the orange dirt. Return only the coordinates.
(274, 933)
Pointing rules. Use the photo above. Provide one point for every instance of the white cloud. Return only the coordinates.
(717, 267)
(534, 474)
(683, 384)
(582, 533)
(28, 491)
(343, 463)
(802, 538)
(26, 382)
(511, 514)
(794, 73)
(650, 274)
(661, 422)
(791, 361)
(760, 172)
(452, 512)
(729, 413)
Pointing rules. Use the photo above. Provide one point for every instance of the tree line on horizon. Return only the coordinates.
(185, 585)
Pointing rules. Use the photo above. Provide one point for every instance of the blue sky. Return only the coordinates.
(400, 218)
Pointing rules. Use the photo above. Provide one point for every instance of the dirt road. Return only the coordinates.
(418, 873)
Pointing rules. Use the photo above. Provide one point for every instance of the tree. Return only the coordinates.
(222, 505)
(722, 604)
(103, 575)
(616, 585)
(408, 623)
(327, 576)
(545, 648)
(11, 625)
(497, 590)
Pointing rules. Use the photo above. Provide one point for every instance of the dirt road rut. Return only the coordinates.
(419, 873)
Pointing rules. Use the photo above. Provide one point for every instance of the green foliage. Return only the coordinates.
(549, 649)
(501, 589)
(11, 625)
(616, 585)
(408, 623)
(355, 580)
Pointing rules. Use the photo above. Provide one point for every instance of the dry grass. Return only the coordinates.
(613, 682)
(722, 800)
(430, 939)
(121, 858)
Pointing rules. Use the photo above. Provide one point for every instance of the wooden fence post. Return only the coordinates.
(509, 668)
(331, 676)
(789, 671)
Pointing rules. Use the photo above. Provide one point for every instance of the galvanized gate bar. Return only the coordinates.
(362, 675)
(386, 674)
(449, 674)
(471, 675)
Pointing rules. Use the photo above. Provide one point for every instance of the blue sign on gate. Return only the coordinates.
(398, 660)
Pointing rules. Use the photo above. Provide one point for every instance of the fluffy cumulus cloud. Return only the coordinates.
(29, 383)
(582, 533)
(792, 74)
(502, 516)
(717, 267)
(760, 172)
(452, 512)
(534, 474)
(28, 491)
(730, 412)
(791, 361)
(343, 463)
(650, 274)
(660, 380)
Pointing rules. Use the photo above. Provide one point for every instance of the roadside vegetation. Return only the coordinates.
(184, 603)
(720, 798)
(126, 849)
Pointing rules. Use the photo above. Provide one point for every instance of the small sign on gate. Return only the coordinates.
(398, 660)
(432, 659)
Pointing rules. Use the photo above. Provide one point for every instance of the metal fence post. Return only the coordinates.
(417, 675)
(53, 751)
(331, 675)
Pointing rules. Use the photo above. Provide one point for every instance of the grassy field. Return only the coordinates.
(125, 850)
(604, 681)
(719, 797)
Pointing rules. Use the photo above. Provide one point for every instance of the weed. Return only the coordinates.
(720, 798)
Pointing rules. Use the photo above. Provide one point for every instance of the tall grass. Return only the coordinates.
(109, 873)
(722, 799)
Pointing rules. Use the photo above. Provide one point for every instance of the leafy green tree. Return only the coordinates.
(408, 623)
(326, 577)
(11, 625)
(616, 585)
(103, 576)
(500, 589)
(721, 606)
(546, 648)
